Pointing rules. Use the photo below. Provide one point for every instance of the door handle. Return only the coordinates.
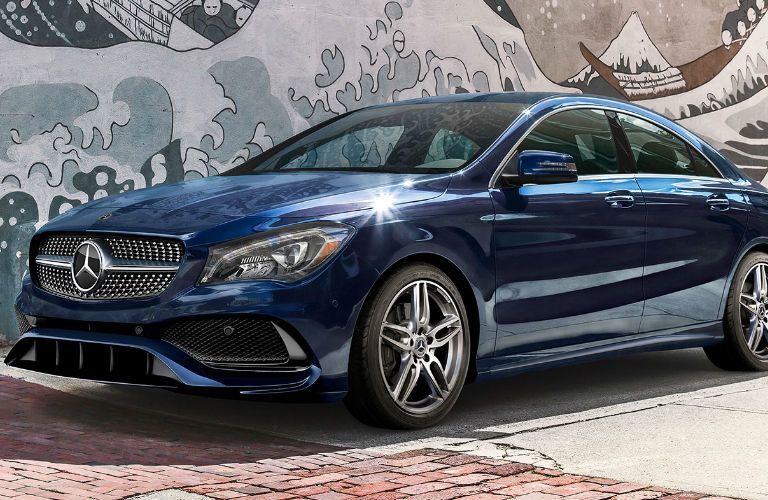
(620, 199)
(718, 202)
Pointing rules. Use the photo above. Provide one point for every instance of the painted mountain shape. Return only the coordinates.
(637, 64)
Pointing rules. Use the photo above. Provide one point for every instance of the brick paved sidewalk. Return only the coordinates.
(55, 445)
(42, 424)
(427, 474)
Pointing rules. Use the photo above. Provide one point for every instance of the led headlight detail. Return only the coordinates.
(285, 256)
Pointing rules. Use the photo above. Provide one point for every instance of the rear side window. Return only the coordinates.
(702, 167)
(584, 134)
(658, 151)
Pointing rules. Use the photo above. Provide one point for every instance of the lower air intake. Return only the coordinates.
(229, 342)
(91, 361)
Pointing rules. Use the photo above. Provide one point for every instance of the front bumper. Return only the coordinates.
(320, 313)
(116, 358)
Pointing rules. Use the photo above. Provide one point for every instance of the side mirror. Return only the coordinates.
(544, 167)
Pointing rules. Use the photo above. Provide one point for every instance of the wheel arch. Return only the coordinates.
(459, 279)
(759, 244)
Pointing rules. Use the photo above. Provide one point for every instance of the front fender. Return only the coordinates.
(457, 227)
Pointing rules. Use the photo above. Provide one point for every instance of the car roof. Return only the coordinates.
(524, 98)
(500, 97)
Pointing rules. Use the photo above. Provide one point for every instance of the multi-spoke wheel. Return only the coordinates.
(753, 312)
(746, 319)
(421, 346)
(409, 358)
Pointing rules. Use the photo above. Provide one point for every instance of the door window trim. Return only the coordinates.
(513, 151)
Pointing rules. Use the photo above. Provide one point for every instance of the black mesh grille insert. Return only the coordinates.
(229, 341)
(24, 325)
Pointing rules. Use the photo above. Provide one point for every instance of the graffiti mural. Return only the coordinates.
(99, 97)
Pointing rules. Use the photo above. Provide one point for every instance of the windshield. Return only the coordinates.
(408, 138)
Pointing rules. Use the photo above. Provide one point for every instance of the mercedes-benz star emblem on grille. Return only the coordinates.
(87, 266)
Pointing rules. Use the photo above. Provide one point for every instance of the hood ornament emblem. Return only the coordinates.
(87, 266)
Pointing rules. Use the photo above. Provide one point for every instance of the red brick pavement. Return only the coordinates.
(54, 445)
(42, 424)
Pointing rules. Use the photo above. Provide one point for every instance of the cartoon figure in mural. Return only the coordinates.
(57, 23)
(738, 24)
(214, 19)
(242, 15)
(103, 23)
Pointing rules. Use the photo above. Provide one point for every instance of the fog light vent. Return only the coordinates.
(23, 322)
(229, 342)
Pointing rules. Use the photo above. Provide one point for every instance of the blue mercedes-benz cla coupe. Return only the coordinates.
(392, 254)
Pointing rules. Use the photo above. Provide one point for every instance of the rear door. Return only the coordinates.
(696, 222)
(569, 257)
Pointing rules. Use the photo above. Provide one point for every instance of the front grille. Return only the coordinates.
(133, 266)
(220, 342)
(121, 247)
(61, 245)
(23, 322)
(115, 286)
(146, 249)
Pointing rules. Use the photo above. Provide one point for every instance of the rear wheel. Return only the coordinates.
(746, 319)
(410, 355)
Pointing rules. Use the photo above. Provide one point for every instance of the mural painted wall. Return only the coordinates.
(99, 97)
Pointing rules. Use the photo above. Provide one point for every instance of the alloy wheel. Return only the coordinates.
(754, 310)
(421, 346)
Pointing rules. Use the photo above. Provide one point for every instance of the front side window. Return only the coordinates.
(660, 152)
(451, 147)
(407, 138)
(585, 134)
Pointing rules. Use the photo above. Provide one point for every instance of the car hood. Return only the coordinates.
(193, 206)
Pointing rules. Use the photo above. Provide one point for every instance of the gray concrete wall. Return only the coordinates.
(103, 96)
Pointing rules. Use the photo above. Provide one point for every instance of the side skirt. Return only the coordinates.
(503, 366)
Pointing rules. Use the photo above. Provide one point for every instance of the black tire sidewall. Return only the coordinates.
(394, 284)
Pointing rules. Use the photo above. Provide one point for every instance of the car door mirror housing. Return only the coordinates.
(543, 167)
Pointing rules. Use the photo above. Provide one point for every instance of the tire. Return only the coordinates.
(742, 350)
(381, 371)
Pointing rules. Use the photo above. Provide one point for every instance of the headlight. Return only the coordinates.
(286, 255)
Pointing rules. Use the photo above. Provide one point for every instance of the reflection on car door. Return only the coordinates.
(696, 222)
(569, 257)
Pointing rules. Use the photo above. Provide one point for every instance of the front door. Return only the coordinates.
(569, 257)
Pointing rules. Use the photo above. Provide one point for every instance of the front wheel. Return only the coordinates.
(410, 354)
(746, 319)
